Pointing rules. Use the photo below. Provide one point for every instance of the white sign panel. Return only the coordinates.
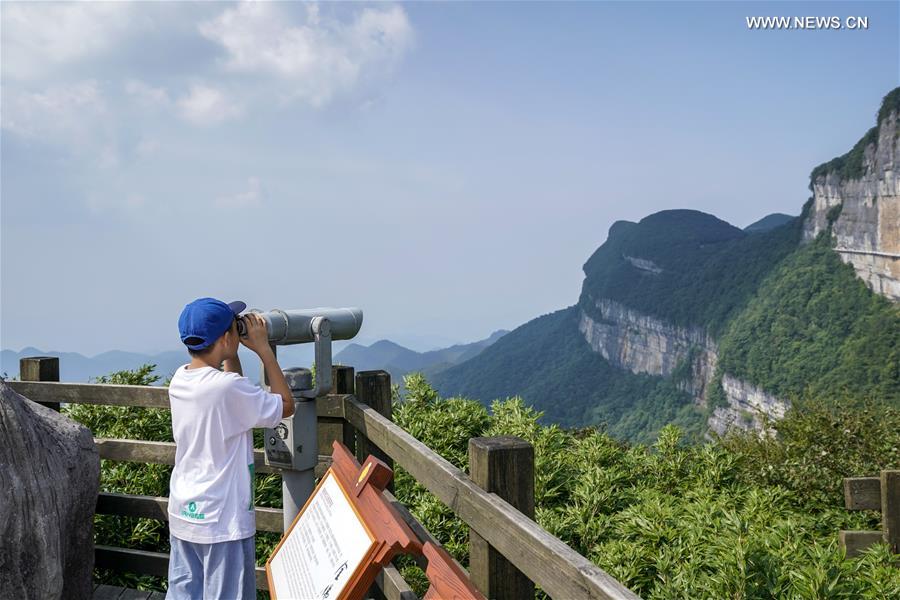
(323, 549)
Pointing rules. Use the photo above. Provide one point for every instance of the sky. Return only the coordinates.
(447, 167)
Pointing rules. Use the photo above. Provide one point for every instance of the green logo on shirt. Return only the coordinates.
(191, 511)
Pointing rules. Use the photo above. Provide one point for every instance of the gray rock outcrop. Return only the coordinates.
(746, 406)
(642, 343)
(867, 230)
(645, 344)
(49, 479)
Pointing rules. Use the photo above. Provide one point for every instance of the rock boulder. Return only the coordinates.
(49, 478)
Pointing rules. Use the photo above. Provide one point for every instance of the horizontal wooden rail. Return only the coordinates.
(163, 453)
(134, 561)
(392, 584)
(142, 396)
(148, 563)
(156, 507)
(157, 563)
(542, 557)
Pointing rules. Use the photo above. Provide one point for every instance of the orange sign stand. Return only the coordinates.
(346, 533)
(448, 581)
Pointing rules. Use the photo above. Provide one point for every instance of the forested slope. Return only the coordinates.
(685, 318)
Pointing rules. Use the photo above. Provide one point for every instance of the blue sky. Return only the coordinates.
(448, 167)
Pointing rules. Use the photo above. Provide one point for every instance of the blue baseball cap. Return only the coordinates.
(204, 320)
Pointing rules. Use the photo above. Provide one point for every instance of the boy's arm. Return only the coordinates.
(257, 340)
(277, 382)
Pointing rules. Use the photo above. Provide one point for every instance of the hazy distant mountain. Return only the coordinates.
(398, 360)
(768, 222)
(383, 354)
(78, 368)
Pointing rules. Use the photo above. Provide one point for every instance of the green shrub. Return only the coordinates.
(738, 517)
(815, 330)
(741, 517)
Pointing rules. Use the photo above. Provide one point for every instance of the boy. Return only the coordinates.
(211, 517)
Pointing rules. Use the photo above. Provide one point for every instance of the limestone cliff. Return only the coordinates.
(857, 195)
(642, 343)
(746, 403)
(645, 344)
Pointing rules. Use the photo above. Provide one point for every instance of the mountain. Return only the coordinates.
(384, 354)
(399, 361)
(76, 367)
(683, 317)
(768, 222)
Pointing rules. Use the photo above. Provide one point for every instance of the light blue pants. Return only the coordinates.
(221, 571)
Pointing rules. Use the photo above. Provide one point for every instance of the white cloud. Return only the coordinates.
(60, 111)
(320, 57)
(254, 196)
(81, 118)
(147, 95)
(38, 36)
(205, 105)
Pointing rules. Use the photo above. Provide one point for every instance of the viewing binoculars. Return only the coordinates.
(298, 326)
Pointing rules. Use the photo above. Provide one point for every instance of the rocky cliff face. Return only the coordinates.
(864, 211)
(746, 403)
(644, 344)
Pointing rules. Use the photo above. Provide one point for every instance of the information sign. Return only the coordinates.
(327, 545)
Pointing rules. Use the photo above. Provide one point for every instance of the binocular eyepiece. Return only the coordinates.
(241, 326)
(298, 326)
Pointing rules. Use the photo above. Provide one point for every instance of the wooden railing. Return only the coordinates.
(881, 494)
(509, 552)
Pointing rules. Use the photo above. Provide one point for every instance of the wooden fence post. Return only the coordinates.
(873, 493)
(329, 429)
(503, 466)
(343, 379)
(40, 368)
(374, 389)
(890, 508)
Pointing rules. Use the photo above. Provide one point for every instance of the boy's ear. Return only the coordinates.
(223, 340)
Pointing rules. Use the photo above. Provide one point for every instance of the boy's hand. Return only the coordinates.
(257, 338)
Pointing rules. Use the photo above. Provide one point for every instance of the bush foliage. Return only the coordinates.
(737, 517)
(814, 329)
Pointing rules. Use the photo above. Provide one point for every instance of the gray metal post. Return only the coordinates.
(292, 445)
(298, 482)
(298, 485)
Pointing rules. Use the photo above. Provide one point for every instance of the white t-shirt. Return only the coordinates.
(211, 489)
